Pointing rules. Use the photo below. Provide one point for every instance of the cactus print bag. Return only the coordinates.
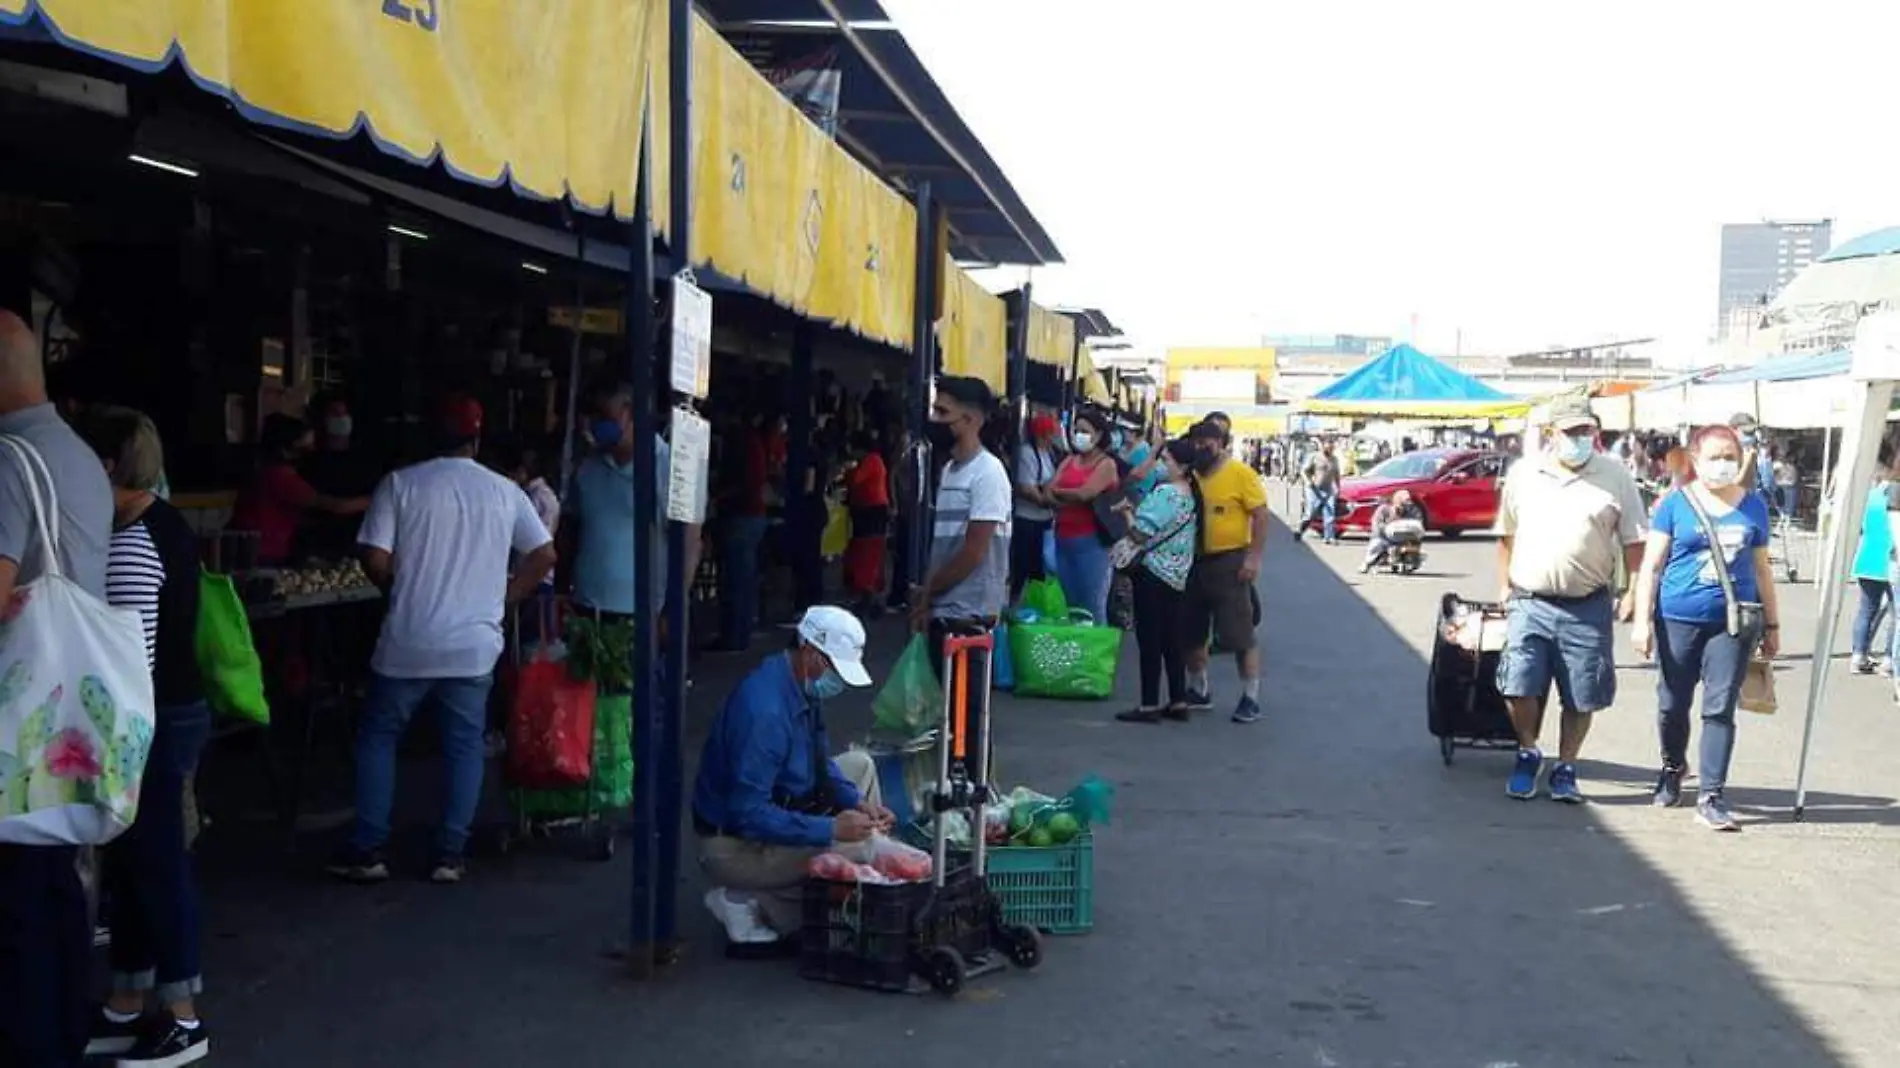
(75, 697)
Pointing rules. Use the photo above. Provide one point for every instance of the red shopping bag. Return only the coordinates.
(550, 727)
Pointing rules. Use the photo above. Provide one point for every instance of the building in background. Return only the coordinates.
(1760, 258)
(1291, 347)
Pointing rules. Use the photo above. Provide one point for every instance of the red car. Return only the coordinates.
(1456, 488)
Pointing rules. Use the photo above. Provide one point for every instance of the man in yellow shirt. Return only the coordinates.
(1220, 593)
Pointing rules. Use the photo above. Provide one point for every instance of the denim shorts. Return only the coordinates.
(1569, 641)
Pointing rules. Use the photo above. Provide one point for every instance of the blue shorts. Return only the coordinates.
(1571, 642)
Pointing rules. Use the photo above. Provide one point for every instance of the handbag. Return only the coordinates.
(76, 703)
(1127, 552)
(227, 659)
(1744, 617)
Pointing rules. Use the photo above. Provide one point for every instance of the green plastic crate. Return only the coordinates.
(1051, 888)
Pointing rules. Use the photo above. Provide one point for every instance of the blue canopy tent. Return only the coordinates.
(1793, 368)
(1404, 383)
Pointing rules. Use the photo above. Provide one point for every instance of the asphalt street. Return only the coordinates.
(1315, 889)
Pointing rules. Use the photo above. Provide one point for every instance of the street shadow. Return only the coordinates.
(1313, 888)
(1766, 804)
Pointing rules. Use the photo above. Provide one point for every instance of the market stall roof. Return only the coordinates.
(893, 114)
(1791, 368)
(1879, 243)
(1091, 323)
(1406, 383)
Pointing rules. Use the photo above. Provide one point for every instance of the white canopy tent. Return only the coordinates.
(1876, 369)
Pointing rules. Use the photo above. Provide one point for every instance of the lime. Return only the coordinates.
(1063, 827)
(1041, 837)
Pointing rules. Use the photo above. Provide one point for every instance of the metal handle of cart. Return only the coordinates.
(956, 767)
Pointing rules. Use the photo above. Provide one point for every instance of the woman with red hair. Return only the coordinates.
(1705, 607)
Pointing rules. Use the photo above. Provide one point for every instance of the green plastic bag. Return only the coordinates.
(911, 701)
(227, 659)
(1045, 598)
(1076, 659)
(612, 788)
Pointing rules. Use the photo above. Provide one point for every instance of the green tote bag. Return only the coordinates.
(233, 674)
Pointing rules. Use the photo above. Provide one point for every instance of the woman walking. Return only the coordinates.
(1081, 553)
(1870, 570)
(147, 884)
(1708, 553)
(1167, 528)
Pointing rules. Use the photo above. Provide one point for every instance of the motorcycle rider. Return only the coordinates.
(1400, 506)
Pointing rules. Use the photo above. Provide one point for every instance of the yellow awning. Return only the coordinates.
(974, 329)
(1092, 389)
(1245, 426)
(1051, 338)
(544, 97)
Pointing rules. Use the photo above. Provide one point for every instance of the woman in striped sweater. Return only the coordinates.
(146, 879)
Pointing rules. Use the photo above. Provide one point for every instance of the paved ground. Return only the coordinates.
(1312, 890)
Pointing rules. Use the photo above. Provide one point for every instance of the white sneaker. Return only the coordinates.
(740, 919)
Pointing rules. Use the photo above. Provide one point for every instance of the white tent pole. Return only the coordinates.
(1876, 367)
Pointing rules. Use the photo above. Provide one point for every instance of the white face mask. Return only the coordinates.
(1083, 440)
(1574, 451)
(1718, 474)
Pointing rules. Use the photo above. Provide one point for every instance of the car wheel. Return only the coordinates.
(1451, 532)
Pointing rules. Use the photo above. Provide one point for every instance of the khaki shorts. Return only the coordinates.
(1218, 599)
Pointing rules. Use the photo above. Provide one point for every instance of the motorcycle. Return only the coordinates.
(1405, 546)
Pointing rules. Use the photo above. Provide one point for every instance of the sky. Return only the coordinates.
(1509, 176)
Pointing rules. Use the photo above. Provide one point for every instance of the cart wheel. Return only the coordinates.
(600, 843)
(1445, 749)
(944, 968)
(1023, 945)
(1794, 575)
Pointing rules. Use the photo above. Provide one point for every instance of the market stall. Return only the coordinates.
(1405, 383)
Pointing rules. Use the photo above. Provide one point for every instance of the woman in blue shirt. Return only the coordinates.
(1870, 570)
(1166, 525)
(1686, 627)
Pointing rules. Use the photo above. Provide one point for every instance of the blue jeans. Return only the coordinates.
(739, 579)
(146, 879)
(1873, 609)
(1700, 653)
(1324, 506)
(386, 714)
(1082, 568)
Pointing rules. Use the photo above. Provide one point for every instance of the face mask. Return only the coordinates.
(606, 433)
(337, 426)
(825, 687)
(1083, 440)
(1575, 452)
(1204, 461)
(1718, 474)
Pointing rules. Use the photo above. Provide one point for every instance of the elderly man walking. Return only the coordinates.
(1567, 518)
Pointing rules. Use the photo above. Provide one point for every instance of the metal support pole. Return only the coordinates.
(922, 371)
(568, 434)
(1018, 375)
(646, 728)
(1073, 394)
(798, 449)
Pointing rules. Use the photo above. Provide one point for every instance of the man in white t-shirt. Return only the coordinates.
(437, 539)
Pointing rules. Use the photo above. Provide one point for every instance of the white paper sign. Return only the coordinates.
(686, 478)
(692, 337)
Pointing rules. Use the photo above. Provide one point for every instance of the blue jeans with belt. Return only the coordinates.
(387, 710)
(150, 892)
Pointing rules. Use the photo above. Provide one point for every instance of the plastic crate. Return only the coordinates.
(1050, 888)
(873, 937)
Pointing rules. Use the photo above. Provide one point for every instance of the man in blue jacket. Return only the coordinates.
(769, 798)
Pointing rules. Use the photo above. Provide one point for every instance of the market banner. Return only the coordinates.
(1051, 338)
(545, 97)
(975, 325)
(1093, 389)
(780, 207)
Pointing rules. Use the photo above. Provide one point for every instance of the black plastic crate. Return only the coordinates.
(874, 937)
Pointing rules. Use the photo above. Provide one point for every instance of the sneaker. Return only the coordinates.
(1139, 715)
(1177, 712)
(1523, 781)
(168, 1044)
(354, 865)
(448, 869)
(739, 919)
(1247, 711)
(110, 1037)
(1668, 792)
(1196, 701)
(1563, 785)
(1712, 812)
(1863, 665)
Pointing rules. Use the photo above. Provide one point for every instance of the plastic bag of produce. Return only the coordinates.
(912, 698)
(551, 727)
(1045, 598)
(1002, 667)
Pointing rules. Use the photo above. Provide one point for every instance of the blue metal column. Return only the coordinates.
(798, 449)
(646, 727)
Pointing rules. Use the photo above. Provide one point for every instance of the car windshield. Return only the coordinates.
(1413, 465)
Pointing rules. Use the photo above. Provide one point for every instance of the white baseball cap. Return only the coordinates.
(837, 634)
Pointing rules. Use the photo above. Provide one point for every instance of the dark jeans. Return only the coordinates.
(1025, 554)
(1873, 608)
(1689, 654)
(45, 954)
(739, 579)
(146, 878)
(1159, 636)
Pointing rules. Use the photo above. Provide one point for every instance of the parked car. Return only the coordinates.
(1456, 488)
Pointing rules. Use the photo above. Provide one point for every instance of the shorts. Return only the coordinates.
(1218, 599)
(1570, 641)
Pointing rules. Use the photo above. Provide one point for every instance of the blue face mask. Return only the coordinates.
(825, 687)
(606, 433)
(1575, 451)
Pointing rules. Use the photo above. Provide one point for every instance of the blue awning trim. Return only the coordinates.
(1789, 368)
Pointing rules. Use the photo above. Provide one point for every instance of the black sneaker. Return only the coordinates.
(1247, 711)
(110, 1037)
(168, 1044)
(1139, 715)
(358, 866)
(1196, 701)
(1863, 665)
(446, 870)
(1668, 792)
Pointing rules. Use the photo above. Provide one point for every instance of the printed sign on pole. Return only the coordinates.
(692, 336)
(686, 476)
